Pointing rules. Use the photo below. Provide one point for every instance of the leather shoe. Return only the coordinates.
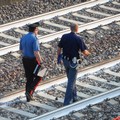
(29, 97)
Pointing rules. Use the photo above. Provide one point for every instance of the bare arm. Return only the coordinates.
(38, 56)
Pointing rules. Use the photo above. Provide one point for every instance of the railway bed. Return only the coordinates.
(49, 97)
(98, 78)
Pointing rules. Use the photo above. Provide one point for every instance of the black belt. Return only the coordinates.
(69, 58)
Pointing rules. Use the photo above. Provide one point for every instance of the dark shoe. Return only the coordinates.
(28, 100)
(29, 97)
(75, 100)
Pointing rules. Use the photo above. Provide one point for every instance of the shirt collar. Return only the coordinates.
(72, 32)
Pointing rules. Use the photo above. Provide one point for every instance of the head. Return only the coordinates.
(34, 28)
(74, 28)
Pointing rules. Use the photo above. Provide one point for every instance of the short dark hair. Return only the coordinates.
(32, 27)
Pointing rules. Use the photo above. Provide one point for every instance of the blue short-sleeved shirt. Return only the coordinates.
(28, 44)
(71, 44)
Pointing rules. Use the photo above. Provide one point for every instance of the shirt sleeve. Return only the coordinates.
(36, 46)
(20, 47)
(82, 45)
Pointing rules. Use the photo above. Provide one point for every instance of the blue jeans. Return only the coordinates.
(71, 93)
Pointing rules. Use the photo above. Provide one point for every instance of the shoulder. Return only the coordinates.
(25, 36)
(32, 37)
(79, 37)
(65, 35)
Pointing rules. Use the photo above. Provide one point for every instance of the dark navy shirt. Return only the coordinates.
(71, 44)
(28, 44)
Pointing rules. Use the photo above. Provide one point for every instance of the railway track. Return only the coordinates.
(55, 27)
(49, 15)
(93, 85)
(52, 36)
(12, 75)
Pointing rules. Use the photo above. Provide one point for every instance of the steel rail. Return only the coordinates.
(79, 105)
(52, 36)
(60, 80)
(49, 15)
(86, 26)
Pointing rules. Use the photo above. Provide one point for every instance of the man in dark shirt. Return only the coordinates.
(29, 47)
(70, 44)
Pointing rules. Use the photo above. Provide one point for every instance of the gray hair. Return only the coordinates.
(73, 27)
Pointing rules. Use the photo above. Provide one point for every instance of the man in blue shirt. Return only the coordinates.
(29, 47)
(70, 44)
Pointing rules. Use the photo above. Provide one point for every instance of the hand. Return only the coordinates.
(86, 52)
(59, 59)
(41, 60)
